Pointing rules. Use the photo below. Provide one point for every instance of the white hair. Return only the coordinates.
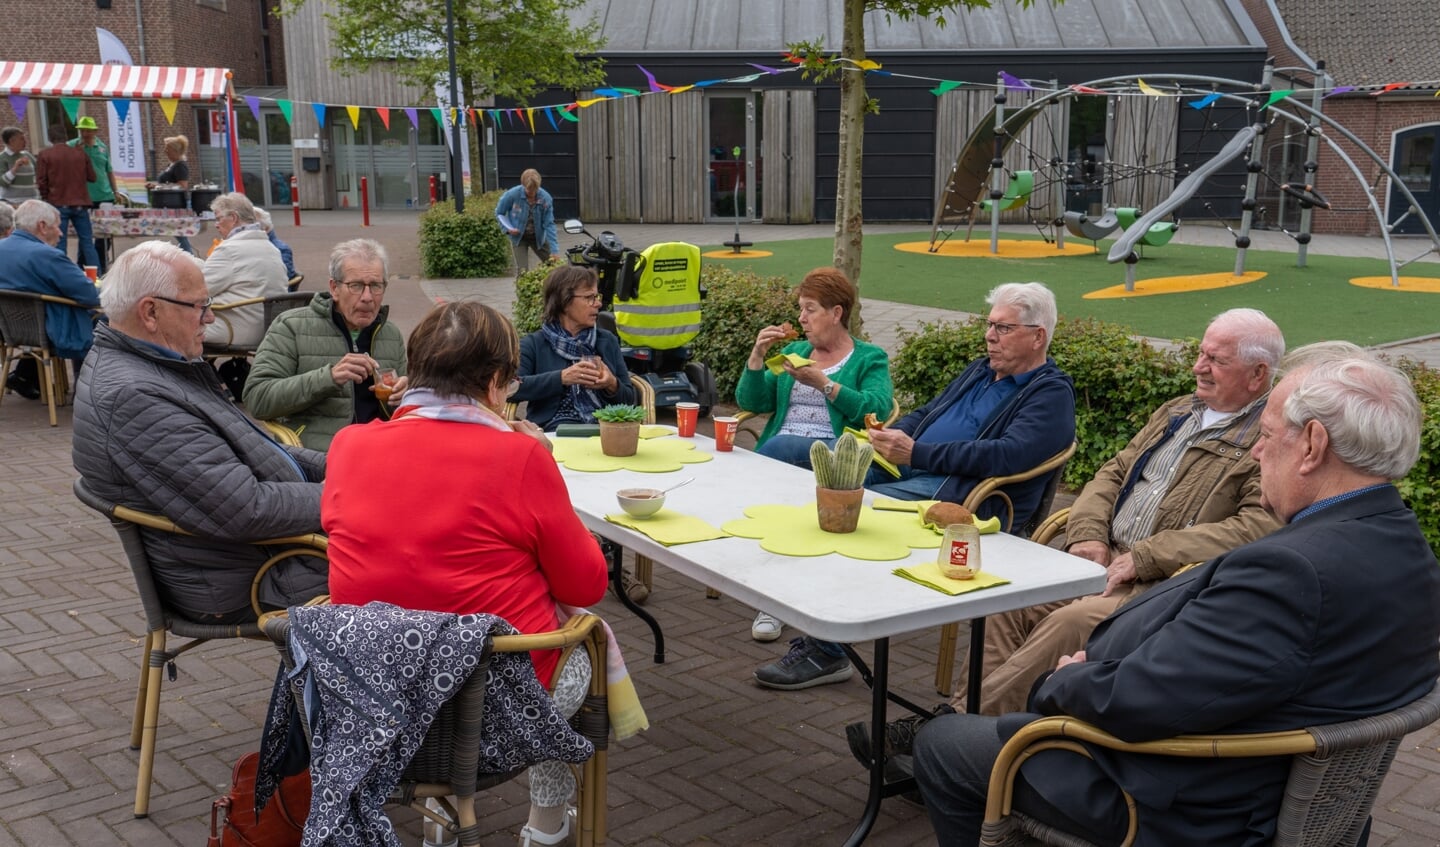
(1258, 340)
(360, 249)
(234, 202)
(262, 217)
(7, 219)
(1320, 351)
(1368, 408)
(32, 212)
(1034, 302)
(149, 269)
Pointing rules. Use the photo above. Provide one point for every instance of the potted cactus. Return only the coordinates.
(839, 481)
(619, 429)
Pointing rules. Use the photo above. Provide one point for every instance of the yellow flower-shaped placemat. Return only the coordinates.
(656, 430)
(655, 455)
(795, 531)
(669, 528)
(929, 575)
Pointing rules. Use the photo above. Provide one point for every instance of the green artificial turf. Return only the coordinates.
(1313, 303)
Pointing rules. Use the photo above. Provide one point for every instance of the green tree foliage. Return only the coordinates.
(855, 104)
(502, 48)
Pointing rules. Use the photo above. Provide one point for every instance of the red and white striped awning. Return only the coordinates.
(110, 82)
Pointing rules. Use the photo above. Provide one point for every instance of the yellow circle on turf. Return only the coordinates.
(1008, 248)
(1176, 285)
(1420, 284)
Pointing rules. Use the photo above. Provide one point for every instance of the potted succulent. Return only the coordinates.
(619, 429)
(839, 481)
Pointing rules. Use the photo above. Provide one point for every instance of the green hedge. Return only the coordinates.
(736, 305)
(1119, 381)
(466, 245)
(1423, 484)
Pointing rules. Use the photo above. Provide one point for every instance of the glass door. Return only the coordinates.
(732, 130)
(1417, 163)
(393, 162)
(252, 157)
(279, 158)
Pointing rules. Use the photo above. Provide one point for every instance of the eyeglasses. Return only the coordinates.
(376, 288)
(1006, 329)
(202, 305)
(588, 298)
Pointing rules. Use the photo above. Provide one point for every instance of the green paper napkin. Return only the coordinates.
(776, 366)
(656, 455)
(929, 575)
(669, 528)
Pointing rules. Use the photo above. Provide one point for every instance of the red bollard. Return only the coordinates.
(365, 200)
(295, 198)
(432, 190)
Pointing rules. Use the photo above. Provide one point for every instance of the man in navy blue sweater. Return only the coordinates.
(1006, 413)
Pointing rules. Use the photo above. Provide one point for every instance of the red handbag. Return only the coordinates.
(233, 822)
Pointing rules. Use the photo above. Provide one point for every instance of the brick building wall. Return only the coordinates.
(1375, 121)
(182, 33)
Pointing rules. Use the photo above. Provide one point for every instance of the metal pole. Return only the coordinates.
(457, 183)
(365, 200)
(1253, 166)
(295, 197)
(1312, 162)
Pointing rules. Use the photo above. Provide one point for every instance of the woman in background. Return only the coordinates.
(177, 173)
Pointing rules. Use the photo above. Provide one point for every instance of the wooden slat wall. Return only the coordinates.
(671, 158)
(788, 151)
(1044, 138)
(1142, 136)
(609, 161)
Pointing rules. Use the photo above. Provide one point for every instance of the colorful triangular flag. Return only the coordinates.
(944, 86)
(1015, 83)
(168, 106)
(1277, 96)
(122, 109)
(287, 109)
(414, 115)
(1147, 88)
(354, 113)
(319, 109)
(1201, 103)
(18, 104)
(72, 107)
(254, 104)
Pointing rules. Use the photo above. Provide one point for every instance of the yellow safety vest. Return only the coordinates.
(665, 313)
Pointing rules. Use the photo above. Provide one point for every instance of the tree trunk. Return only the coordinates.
(849, 221)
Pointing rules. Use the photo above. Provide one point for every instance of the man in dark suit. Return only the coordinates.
(1333, 617)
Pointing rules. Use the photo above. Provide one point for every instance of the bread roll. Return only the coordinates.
(944, 514)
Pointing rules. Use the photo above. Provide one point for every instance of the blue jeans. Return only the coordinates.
(80, 216)
(912, 484)
(792, 449)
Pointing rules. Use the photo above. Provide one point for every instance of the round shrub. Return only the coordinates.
(463, 245)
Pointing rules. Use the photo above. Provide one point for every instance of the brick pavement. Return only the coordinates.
(724, 763)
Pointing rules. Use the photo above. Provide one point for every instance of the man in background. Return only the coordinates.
(61, 174)
(102, 187)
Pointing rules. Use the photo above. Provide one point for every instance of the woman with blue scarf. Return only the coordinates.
(570, 367)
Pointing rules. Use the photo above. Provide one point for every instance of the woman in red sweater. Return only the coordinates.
(446, 508)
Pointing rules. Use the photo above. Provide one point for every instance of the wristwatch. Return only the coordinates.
(830, 389)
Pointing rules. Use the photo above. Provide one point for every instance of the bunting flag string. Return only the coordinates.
(18, 104)
(121, 107)
(524, 117)
(168, 105)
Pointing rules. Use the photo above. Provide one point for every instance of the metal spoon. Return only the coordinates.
(677, 485)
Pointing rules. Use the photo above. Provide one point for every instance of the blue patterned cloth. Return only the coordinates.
(374, 677)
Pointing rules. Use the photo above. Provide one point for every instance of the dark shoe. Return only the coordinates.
(637, 591)
(899, 735)
(805, 666)
(22, 386)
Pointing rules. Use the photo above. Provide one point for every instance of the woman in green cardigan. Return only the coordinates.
(847, 380)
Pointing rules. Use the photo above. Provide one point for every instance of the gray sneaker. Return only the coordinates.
(805, 666)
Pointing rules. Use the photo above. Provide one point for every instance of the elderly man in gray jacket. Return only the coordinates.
(154, 431)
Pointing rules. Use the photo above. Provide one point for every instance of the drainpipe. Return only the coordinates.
(145, 106)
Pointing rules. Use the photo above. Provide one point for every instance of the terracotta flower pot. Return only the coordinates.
(619, 438)
(839, 509)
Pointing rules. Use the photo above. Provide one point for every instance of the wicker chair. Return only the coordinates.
(282, 433)
(1335, 774)
(161, 620)
(271, 308)
(446, 766)
(22, 333)
(994, 487)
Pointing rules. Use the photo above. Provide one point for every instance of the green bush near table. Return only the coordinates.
(1119, 380)
(529, 311)
(463, 245)
(1421, 488)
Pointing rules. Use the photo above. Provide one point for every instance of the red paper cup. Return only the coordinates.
(686, 414)
(725, 433)
(92, 273)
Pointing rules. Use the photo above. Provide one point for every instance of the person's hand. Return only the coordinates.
(512, 230)
(1074, 659)
(893, 445)
(352, 367)
(1120, 571)
(809, 375)
(604, 378)
(535, 432)
(149, 185)
(582, 373)
(764, 340)
(1096, 551)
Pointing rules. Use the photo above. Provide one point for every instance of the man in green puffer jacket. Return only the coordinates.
(315, 369)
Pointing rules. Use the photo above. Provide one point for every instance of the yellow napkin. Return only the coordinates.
(655, 431)
(929, 575)
(776, 366)
(876, 458)
(669, 528)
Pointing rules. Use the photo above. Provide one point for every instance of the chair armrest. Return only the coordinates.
(990, 486)
(64, 301)
(647, 396)
(282, 433)
(1051, 527)
(573, 632)
(235, 304)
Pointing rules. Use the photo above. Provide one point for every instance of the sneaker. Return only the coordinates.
(766, 627)
(899, 735)
(637, 591)
(805, 666)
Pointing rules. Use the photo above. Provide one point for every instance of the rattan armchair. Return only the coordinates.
(22, 333)
(446, 765)
(161, 620)
(1335, 773)
(271, 308)
(994, 488)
